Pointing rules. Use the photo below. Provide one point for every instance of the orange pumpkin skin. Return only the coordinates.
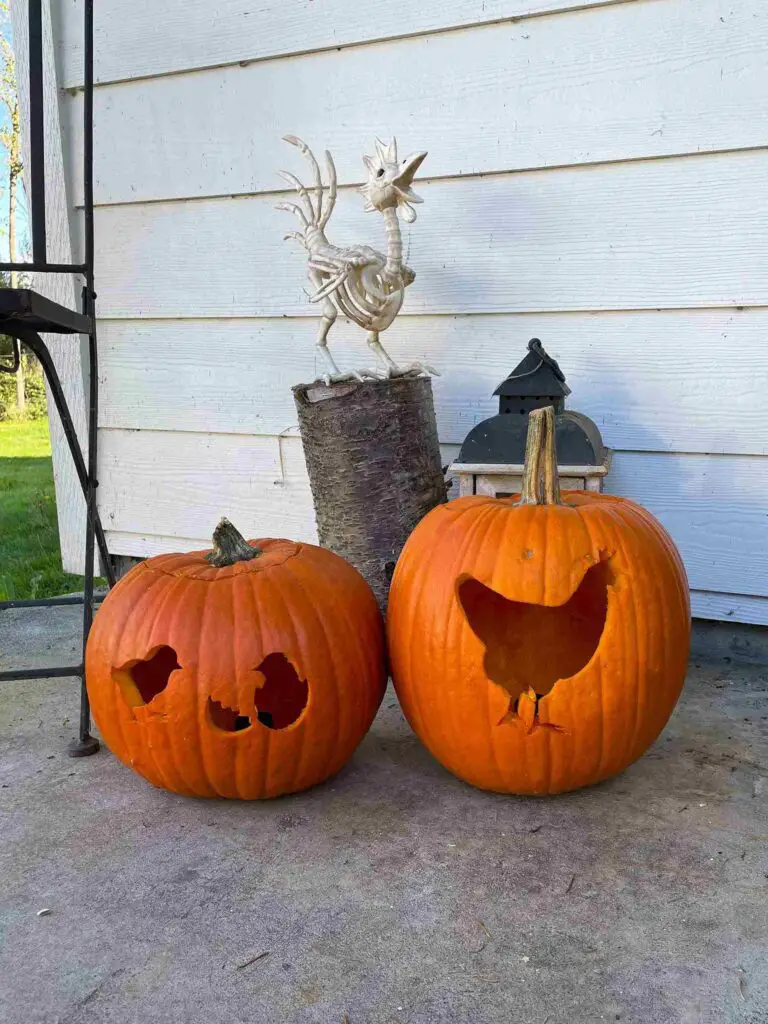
(600, 625)
(295, 605)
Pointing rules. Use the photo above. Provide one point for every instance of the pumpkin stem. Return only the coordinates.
(229, 546)
(541, 484)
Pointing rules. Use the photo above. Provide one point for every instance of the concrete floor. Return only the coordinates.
(394, 893)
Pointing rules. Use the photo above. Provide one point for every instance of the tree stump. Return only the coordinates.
(374, 467)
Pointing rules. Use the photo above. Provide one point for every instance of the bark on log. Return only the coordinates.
(374, 467)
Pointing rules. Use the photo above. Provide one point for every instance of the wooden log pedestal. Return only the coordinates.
(374, 466)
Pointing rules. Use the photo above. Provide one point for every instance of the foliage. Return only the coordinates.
(22, 396)
(30, 562)
(34, 388)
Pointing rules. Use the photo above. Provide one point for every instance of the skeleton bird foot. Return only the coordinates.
(358, 375)
(415, 369)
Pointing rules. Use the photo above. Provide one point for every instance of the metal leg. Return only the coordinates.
(38, 346)
(27, 323)
(85, 744)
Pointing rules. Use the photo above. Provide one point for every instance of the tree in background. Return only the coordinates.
(29, 388)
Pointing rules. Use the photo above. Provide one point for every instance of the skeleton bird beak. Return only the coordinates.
(408, 168)
(402, 183)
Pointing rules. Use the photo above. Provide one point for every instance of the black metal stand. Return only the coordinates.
(25, 315)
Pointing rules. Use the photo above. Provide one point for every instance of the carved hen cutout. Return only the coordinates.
(529, 647)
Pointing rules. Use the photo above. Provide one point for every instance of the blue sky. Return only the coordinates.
(22, 228)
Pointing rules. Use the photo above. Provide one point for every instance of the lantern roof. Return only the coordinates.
(536, 374)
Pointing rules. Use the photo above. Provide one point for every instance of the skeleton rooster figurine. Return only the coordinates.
(360, 283)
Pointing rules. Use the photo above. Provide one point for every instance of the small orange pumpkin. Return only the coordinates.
(250, 671)
(538, 645)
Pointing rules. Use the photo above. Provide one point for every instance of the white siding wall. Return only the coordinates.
(597, 176)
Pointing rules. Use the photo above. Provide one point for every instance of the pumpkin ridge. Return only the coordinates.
(230, 751)
(491, 724)
(480, 528)
(174, 594)
(284, 598)
(617, 516)
(164, 601)
(247, 620)
(304, 734)
(114, 643)
(139, 629)
(444, 525)
(657, 604)
(201, 706)
(330, 654)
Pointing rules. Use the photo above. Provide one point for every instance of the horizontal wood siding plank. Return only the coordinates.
(669, 233)
(715, 508)
(704, 604)
(729, 607)
(145, 37)
(174, 485)
(636, 80)
(691, 381)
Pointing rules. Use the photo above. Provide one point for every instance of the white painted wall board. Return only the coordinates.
(687, 381)
(704, 604)
(668, 233)
(647, 79)
(624, 82)
(145, 37)
(175, 484)
(729, 607)
(715, 508)
(180, 484)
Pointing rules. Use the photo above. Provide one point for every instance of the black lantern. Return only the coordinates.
(493, 452)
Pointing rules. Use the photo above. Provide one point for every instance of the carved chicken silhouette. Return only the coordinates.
(529, 647)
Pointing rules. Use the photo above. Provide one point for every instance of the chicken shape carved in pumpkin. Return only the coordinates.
(279, 701)
(529, 647)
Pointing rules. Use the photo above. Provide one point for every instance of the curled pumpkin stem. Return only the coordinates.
(230, 546)
(541, 484)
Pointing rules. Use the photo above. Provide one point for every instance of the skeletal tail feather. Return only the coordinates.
(297, 235)
(303, 194)
(331, 190)
(293, 208)
(307, 152)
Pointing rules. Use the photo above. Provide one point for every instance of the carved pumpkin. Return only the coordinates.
(538, 645)
(251, 671)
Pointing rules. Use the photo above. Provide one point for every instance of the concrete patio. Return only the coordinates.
(394, 893)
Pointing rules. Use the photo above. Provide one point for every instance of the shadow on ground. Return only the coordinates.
(394, 893)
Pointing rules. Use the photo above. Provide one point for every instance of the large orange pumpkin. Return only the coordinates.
(540, 644)
(250, 671)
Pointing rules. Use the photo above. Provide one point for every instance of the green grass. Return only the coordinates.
(30, 560)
